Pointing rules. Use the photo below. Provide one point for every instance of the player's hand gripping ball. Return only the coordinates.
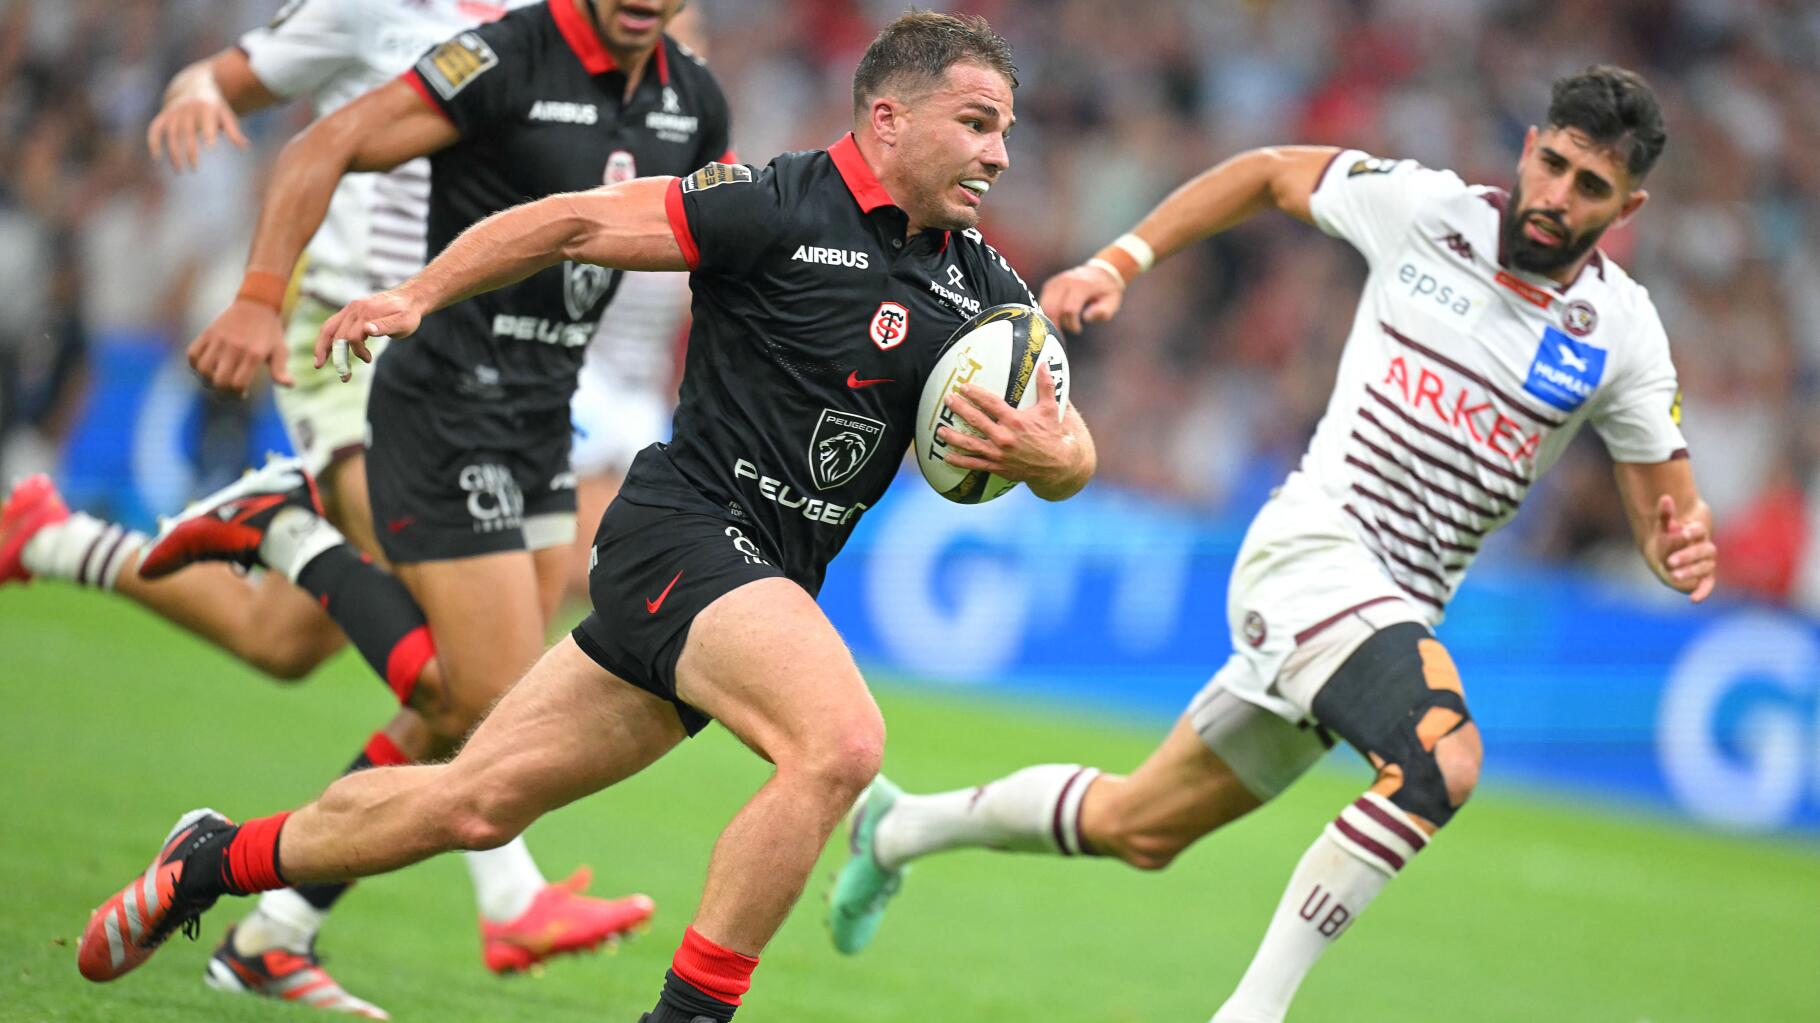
(999, 349)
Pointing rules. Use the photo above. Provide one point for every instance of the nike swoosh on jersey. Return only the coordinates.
(856, 383)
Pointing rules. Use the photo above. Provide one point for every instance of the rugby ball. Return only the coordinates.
(999, 350)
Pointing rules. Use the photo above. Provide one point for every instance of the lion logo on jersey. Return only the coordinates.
(840, 455)
(842, 444)
(583, 286)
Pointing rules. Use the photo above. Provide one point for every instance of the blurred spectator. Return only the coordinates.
(1225, 355)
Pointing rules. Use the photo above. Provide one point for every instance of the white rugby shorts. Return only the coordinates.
(325, 418)
(1304, 594)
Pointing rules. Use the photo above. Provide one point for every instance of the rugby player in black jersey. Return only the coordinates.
(468, 437)
(824, 286)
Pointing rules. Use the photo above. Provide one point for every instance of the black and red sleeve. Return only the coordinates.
(725, 216)
(475, 78)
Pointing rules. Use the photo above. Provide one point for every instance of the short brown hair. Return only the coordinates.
(1614, 107)
(913, 52)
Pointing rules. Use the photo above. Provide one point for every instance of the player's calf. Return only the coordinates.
(274, 516)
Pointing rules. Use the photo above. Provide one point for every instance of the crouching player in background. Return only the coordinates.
(1490, 329)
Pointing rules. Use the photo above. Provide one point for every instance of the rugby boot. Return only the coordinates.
(129, 927)
(560, 920)
(229, 524)
(33, 504)
(285, 975)
(856, 905)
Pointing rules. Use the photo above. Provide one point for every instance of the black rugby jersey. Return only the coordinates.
(815, 324)
(541, 109)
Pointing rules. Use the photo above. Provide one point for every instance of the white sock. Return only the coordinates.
(81, 549)
(1337, 878)
(294, 538)
(506, 879)
(282, 919)
(1038, 809)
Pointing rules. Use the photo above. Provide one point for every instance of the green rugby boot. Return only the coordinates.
(856, 905)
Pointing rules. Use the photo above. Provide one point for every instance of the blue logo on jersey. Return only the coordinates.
(1565, 372)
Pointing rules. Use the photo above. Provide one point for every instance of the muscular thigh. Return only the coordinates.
(765, 661)
(565, 730)
(485, 615)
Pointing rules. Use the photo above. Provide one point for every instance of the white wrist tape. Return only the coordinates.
(1101, 264)
(1138, 249)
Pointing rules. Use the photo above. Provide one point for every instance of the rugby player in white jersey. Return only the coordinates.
(1490, 329)
(373, 236)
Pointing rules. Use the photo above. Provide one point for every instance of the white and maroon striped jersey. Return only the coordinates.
(332, 51)
(1462, 379)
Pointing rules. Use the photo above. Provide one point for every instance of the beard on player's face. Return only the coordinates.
(1564, 245)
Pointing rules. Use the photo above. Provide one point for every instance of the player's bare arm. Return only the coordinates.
(202, 103)
(1672, 525)
(378, 131)
(622, 226)
(1235, 190)
(1046, 448)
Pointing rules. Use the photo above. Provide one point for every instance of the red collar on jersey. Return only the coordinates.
(867, 190)
(583, 36)
(865, 186)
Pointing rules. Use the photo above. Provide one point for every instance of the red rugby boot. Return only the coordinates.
(229, 524)
(560, 920)
(33, 504)
(129, 927)
(284, 975)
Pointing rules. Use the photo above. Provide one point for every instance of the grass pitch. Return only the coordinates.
(1527, 909)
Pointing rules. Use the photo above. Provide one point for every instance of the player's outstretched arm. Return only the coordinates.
(624, 226)
(378, 131)
(1279, 177)
(1672, 525)
(1045, 447)
(202, 103)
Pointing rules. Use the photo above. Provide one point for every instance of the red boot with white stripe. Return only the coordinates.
(285, 975)
(129, 927)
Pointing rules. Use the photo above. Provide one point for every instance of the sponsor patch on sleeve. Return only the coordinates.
(1565, 372)
(451, 66)
(716, 174)
(1674, 408)
(1371, 165)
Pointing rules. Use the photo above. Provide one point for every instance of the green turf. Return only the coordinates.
(1527, 910)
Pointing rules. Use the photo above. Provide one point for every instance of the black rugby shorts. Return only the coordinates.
(455, 477)
(651, 571)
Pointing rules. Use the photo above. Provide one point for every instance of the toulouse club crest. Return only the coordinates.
(890, 325)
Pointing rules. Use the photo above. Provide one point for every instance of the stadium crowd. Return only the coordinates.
(1225, 355)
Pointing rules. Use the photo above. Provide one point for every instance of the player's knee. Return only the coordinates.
(484, 815)
(847, 760)
(1459, 757)
(282, 652)
(284, 665)
(1432, 785)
